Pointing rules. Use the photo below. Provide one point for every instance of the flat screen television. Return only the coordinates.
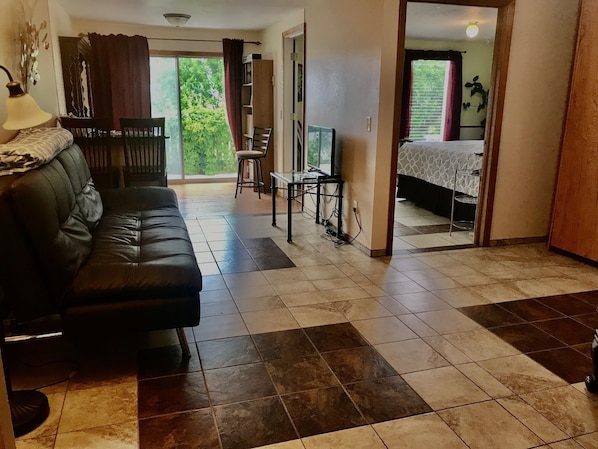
(323, 155)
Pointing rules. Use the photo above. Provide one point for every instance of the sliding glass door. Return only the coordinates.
(189, 93)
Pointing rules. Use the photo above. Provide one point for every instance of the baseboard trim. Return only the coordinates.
(518, 241)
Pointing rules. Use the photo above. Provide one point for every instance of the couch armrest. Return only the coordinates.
(139, 198)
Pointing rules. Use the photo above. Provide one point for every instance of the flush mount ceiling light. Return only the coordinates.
(472, 29)
(177, 19)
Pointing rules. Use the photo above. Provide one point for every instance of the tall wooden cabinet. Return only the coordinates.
(575, 214)
(258, 107)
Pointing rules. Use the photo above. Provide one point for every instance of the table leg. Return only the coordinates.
(318, 190)
(290, 212)
(273, 182)
(340, 211)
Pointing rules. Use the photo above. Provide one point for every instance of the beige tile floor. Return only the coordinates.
(408, 214)
(484, 393)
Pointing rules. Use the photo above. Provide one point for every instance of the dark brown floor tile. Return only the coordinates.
(386, 399)
(590, 320)
(527, 338)
(432, 229)
(585, 349)
(490, 315)
(165, 361)
(227, 352)
(568, 304)
(358, 364)
(300, 374)
(319, 411)
(274, 263)
(589, 297)
(530, 310)
(195, 430)
(335, 336)
(163, 395)
(264, 242)
(284, 344)
(238, 383)
(400, 230)
(567, 330)
(253, 423)
(566, 363)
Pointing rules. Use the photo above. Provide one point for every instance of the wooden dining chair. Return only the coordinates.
(144, 145)
(92, 135)
(258, 150)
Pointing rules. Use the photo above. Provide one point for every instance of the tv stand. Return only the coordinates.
(302, 179)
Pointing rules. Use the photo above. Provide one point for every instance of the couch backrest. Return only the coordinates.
(53, 210)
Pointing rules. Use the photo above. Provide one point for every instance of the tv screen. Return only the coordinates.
(321, 151)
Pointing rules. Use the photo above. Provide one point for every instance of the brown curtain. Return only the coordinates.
(452, 126)
(120, 77)
(232, 50)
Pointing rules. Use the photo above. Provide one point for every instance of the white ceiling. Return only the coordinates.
(424, 20)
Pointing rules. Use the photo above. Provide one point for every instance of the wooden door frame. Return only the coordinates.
(500, 68)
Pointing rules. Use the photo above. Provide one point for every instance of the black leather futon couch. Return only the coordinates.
(119, 261)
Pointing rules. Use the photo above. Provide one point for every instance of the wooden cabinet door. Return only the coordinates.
(575, 214)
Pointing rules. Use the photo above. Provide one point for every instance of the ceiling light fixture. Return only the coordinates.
(177, 19)
(472, 29)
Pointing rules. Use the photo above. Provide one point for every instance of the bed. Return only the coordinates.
(426, 173)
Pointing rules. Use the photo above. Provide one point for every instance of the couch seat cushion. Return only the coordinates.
(138, 254)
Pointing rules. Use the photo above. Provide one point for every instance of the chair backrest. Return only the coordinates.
(144, 145)
(92, 135)
(260, 140)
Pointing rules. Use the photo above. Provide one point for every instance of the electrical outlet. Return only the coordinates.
(355, 204)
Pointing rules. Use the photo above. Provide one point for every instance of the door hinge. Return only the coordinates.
(294, 116)
(294, 56)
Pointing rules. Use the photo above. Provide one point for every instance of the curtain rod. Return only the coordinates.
(197, 40)
(258, 43)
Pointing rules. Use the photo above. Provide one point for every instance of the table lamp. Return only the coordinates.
(28, 408)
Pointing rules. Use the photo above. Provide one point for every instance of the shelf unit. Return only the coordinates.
(257, 98)
(463, 199)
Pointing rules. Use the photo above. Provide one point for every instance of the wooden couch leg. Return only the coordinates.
(183, 341)
(591, 380)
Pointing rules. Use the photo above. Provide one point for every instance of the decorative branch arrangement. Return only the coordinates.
(30, 44)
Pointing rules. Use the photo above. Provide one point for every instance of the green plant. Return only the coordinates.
(477, 89)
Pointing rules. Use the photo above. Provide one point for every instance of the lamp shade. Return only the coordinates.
(472, 29)
(23, 112)
(177, 19)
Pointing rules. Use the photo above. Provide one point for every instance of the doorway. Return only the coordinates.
(293, 155)
(500, 61)
(443, 62)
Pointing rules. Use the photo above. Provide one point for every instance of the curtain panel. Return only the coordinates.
(232, 52)
(120, 77)
(452, 126)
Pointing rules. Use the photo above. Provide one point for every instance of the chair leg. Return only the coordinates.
(260, 177)
(239, 176)
(183, 342)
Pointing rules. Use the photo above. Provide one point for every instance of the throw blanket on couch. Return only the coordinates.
(32, 148)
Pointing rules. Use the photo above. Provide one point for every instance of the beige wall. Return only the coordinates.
(342, 81)
(537, 88)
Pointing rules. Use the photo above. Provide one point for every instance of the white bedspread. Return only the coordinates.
(436, 162)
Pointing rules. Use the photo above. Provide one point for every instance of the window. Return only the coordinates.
(189, 92)
(428, 99)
